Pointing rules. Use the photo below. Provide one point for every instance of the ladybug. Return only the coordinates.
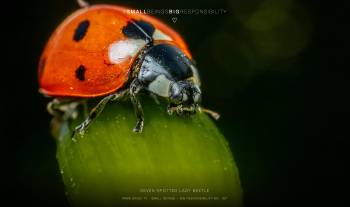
(104, 51)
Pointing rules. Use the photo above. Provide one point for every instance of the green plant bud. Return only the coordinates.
(175, 161)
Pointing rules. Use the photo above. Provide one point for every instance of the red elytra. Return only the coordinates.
(63, 57)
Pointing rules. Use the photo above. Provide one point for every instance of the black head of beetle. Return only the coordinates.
(167, 72)
(184, 92)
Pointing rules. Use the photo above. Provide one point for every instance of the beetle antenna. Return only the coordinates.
(213, 114)
(83, 3)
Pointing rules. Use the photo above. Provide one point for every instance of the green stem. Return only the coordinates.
(110, 164)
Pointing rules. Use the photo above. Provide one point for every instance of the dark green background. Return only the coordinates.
(275, 70)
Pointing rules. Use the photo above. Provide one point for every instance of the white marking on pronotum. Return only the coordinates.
(160, 86)
(158, 35)
(122, 50)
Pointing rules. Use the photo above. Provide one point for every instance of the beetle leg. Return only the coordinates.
(155, 98)
(180, 110)
(135, 88)
(63, 109)
(174, 109)
(171, 109)
(213, 114)
(80, 129)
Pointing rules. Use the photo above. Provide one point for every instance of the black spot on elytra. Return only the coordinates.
(80, 73)
(138, 29)
(81, 30)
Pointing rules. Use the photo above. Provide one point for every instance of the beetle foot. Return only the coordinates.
(139, 127)
(181, 110)
(80, 129)
(171, 110)
(174, 109)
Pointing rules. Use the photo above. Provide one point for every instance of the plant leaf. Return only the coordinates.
(185, 159)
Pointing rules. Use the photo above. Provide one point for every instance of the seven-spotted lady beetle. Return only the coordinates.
(102, 51)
